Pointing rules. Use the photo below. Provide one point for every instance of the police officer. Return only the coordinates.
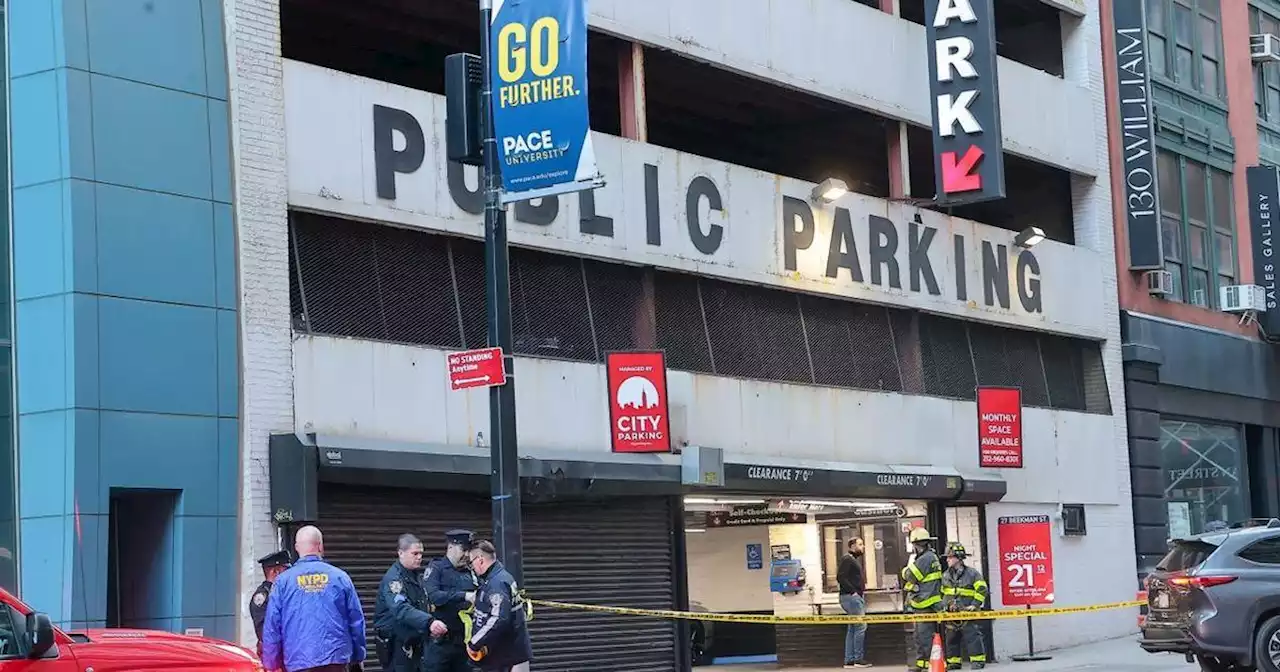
(922, 585)
(400, 613)
(272, 565)
(499, 639)
(963, 589)
(451, 588)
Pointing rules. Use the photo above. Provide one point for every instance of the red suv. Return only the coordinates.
(29, 642)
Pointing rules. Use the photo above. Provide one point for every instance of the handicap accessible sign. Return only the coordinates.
(538, 63)
(755, 556)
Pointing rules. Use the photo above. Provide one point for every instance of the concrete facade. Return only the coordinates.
(152, 371)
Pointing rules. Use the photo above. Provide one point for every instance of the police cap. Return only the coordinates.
(277, 559)
(460, 537)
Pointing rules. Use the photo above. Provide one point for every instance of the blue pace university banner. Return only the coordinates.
(540, 116)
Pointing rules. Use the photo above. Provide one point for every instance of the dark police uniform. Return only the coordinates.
(258, 601)
(401, 619)
(499, 632)
(447, 587)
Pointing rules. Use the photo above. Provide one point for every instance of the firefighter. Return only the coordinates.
(963, 589)
(922, 588)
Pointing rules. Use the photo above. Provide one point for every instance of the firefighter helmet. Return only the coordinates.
(956, 549)
(920, 534)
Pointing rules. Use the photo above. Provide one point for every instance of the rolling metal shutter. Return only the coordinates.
(616, 552)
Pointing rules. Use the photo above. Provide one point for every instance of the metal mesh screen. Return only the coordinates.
(378, 282)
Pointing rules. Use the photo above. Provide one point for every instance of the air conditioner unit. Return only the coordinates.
(1264, 48)
(1242, 299)
(1159, 283)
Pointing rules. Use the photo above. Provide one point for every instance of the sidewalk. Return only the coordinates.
(1116, 655)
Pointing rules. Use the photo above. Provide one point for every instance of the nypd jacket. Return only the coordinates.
(313, 618)
(922, 582)
(400, 610)
(499, 629)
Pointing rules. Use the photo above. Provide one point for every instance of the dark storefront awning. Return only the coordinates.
(298, 463)
(749, 474)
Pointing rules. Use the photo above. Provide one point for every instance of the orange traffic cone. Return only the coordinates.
(937, 663)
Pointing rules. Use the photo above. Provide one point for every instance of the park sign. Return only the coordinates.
(538, 64)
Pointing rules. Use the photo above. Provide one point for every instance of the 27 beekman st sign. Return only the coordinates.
(681, 212)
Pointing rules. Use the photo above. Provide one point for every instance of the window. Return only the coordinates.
(1186, 43)
(10, 636)
(1266, 80)
(1266, 551)
(1197, 226)
(1202, 468)
(1185, 555)
(884, 536)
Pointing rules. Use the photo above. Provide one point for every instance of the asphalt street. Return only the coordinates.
(1117, 655)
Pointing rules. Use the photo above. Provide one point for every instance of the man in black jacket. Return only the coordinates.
(499, 640)
(852, 578)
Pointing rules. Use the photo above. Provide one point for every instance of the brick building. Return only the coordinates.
(1200, 376)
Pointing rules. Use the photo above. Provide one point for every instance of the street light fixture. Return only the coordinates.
(830, 190)
(1029, 237)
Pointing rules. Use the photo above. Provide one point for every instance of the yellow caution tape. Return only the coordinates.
(933, 617)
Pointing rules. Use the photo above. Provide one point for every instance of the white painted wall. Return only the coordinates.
(256, 83)
(380, 390)
(1093, 569)
(718, 576)
(332, 169)
(836, 49)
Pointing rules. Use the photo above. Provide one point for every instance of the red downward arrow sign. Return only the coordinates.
(961, 175)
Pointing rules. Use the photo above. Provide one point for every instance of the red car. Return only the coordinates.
(30, 643)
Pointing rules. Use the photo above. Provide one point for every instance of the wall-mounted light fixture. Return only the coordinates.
(1029, 237)
(829, 190)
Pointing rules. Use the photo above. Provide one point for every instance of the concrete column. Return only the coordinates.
(899, 159)
(635, 124)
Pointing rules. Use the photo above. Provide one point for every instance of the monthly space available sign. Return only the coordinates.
(1000, 427)
(638, 420)
(540, 113)
(1026, 560)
